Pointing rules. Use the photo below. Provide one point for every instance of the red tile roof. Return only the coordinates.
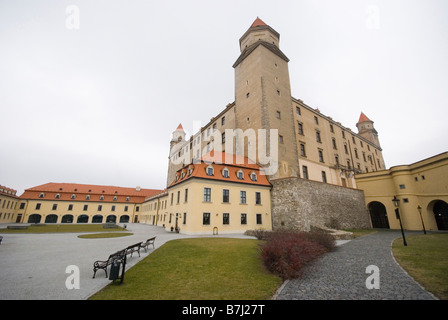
(258, 22)
(66, 190)
(220, 161)
(179, 127)
(363, 118)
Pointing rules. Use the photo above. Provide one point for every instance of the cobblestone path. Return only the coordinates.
(341, 274)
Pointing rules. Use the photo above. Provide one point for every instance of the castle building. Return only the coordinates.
(8, 205)
(309, 144)
(81, 203)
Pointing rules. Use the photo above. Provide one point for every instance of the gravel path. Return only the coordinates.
(342, 274)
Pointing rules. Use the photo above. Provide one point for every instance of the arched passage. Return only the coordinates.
(378, 215)
(51, 218)
(34, 218)
(440, 211)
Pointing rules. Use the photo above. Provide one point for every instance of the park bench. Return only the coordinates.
(147, 243)
(17, 227)
(134, 248)
(119, 255)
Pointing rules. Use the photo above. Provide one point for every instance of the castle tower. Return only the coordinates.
(367, 130)
(263, 93)
(177, 139)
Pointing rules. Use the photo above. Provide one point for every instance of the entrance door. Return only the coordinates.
(19, 218)
(378, 215)
(441, 214)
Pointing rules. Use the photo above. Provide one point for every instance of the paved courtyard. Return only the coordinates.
(342, 274)
(33, 266)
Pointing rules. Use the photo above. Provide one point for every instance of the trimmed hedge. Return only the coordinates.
(286, 253)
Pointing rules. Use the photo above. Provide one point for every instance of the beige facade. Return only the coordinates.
(210, 198)
(421, 187)
(9, 203)
(80, 203)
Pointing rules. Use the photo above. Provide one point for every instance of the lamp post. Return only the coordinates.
(420, 211)
(396, 202)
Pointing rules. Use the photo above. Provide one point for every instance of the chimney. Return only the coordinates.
(137, 188)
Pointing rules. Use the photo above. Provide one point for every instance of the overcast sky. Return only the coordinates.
(94, 100)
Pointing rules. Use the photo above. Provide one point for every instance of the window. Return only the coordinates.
(321, 155)
(240, 175)
(305, 172)
(280, 138)
(115, 198)
(42, 195)
(102, 198)
(257, 197)
(244, 218)
(207, 194)
(345, 148)
(55, 207)
(210, 171)
(225, 173)
(206, 218)
(86, 206)
(402, 186)
(126, 208)
(223, 137)
(302, 150)
(22, 205)
(225, 218)
(333, 140)
(70, 207)
(318, 139)
(223, 121)
(100, 207)
(300, 128)
(298, 111)
(247, 95)
(253, 176)
(278, 115)
(113, 208)
(324, 176)
(185, 218)
(331, 128)
(127, 199)
(214, 127)
(178, 197)
(88, 197)
(316, 120)
(73, 196)
(259, 218)
(242, 197)
(37, 206)
(58, 196)
(225, 196)
(186, 195)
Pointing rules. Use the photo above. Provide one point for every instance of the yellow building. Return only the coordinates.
(209, 197)
(81, 203)
(421, 187)
(8, 205)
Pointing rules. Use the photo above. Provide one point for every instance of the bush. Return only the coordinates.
(286, 253)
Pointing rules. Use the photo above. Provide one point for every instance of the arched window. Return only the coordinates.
(210, 171)
(225, 172)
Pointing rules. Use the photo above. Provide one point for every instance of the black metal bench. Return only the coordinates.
(147, 243)
(134, 248)
(119, 255)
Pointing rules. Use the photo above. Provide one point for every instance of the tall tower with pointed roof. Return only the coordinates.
(367, 130)
(176, 143)
(263, 92)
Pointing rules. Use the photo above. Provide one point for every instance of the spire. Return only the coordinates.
(179, 127)
(363, 118)
(258, 22)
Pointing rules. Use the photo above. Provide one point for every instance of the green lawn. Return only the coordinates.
(198, 269)
(54, 228)
(425, 258)
(104, 235)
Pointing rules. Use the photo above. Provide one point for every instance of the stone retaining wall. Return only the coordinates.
(300, 204)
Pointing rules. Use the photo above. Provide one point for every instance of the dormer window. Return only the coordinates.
(127, 198)
(190, 170)
(240, 174)
(88, 197)
(115, 198)
(41, 195)
(225, 173)
(102, 198)
(210, 171)
(58, 196)
(73, 196)
(253, 176)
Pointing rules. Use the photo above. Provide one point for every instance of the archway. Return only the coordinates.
(34, 218)
(378, 215)
(67, 218)
(97, 218)
(124, 219)
(440, 210)
(83, 219)
(111, 218)
(51, 218)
